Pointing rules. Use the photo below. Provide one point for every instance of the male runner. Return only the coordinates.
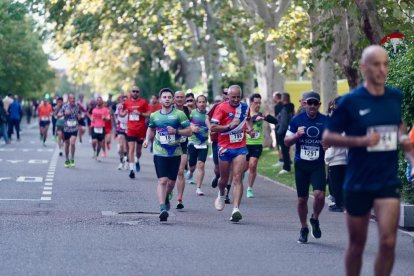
(44, 111)
(121, 125)
(137, 110)
(305, 131)
(198, 142)
(230, 119)
(167, 126)
(254, 142)
(99, 115)
(370, 116)
(82, 121)
(59, 124)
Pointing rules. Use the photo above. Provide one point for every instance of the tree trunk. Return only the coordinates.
(316, 69)
(245, 64)
(371, 24)
(329, 82)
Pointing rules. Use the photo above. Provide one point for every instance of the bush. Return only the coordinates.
(401, 75)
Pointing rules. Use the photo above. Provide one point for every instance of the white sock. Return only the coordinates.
(131, 166)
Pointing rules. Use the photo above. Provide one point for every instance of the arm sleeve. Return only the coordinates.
(217, 116)
(270, 119)
(284, 122)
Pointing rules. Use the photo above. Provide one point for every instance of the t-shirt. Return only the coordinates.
(257, 137)
(154, 108)
(308, 147)
(359, 113)
(167, 144)
(71, 120)
(44, 112)
(136, 122)
(213, 135)
(224, 114)
(98, 115)
(121, 122)
(200, 138)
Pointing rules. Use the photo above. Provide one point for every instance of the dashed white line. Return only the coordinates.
(47, 193)
(47, 189)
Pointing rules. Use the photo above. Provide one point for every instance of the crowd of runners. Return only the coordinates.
(357, 141)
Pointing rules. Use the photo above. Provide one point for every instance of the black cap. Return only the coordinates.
(311, 95)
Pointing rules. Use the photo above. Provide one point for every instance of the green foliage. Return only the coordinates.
(401, 75)
(24, 68)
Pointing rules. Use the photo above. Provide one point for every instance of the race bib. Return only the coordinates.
(255, 135)
(45, 118)
(200, 146)
(166, 138)
(236, 137)
(71, 123)
(134, 117)
(309, 153)
(98, 130)
(388, 140)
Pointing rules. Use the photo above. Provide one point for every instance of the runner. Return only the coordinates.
(305, 131)
(82, 121)
(99, 115)
(190, 101)
(214, 146)
(59, 123)
(71, 114)
(154, 104)
(137, 110)
(370, 116)
(254, 141)
(108, 133)
(179, 104)
(44, 112)
(121, 125)
(230, 119)
(197, 142)
(167, 126)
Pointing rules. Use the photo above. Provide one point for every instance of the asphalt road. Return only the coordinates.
(94, 220)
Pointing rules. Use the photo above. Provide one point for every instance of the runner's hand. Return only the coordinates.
(171, 130)
(234, 123)
(195, 129)
(145, 144)
(372, 139)
(300, 132)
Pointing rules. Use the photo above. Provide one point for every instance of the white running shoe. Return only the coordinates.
(220, 203)
(188, 175)
(283, 172)
(199, 192)
(236, 216)
(120, 166)
(278, 164)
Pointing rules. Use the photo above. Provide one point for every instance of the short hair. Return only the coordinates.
(60, 99)
(286, 96)
(278, 95)
(156, 96)
(235, 86)
(205, 98)
(255, 95)
(165, 90)
(189, 95)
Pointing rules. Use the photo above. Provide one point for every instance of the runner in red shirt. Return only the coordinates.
(137, 110)
(154, 104)
(100, 114)
(108, 132)
(230, 120)
(44, 112)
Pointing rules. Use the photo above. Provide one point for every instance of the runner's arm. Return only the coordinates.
(406, 146)
(337, 139)
(270, 119)
(149, 137)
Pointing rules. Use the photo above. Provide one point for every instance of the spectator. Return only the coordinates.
(3, 123)
(283, 118)
(277, 100)
(15, 115)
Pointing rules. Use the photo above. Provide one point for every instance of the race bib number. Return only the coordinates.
(309, 153)
(236, 137)
(71, 123)
(98, 130)
(388, 138)
(200, 146)
(166, 138)
(134, 117)
(45, 118)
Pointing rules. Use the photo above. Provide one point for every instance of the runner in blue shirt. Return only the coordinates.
(305, 130)
(370, 116)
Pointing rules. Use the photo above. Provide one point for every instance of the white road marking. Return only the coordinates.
(7, 149)
(14, 161)
(48, 183)
(38, 161)
(47, 193)
(47, 188)
(45, 198)
(29, 179)
(4, 178)
(18, 199)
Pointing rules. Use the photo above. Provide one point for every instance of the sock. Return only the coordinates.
(131, 166)
(162, 207)
(228, 189)
(120, 159)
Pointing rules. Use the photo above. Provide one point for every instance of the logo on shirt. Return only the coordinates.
(231, 115)
(363, 112)
(312, 132)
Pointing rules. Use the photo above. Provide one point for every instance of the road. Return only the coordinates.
(94, 220)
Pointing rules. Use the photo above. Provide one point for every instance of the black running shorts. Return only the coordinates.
(359, 204)
(195, 155)
(67, 135)
(254, 151)
(307, 173)
(167, 166)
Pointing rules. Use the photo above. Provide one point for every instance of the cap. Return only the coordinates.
(311, 95)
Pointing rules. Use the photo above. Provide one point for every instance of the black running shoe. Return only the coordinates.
(227, 200)
(315, 230)
(180, 205)
(214, 182)
(303, 236)
(131, 174)
(163, 215)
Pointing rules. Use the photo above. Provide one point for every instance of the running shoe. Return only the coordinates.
(214, 182)
(283, 172)
(104, 154)
(67, 164)
(60, 153)
(72, 163)
(236, 216)
(303, 236)
(98, 158)
(219, 203)
(180, 205)
(249, 193)
(170, 195)
(199, 192)
(188, 175)
(278, 164)
(227, 200)
(137, 167)
(120, 166)
(163, 215)
(191, 180)
(131, 174)
(315, 230)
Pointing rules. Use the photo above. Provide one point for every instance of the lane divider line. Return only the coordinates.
(47, 188)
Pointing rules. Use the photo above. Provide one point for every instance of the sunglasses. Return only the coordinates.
(135, 91)
(312, 102)
(189, 100)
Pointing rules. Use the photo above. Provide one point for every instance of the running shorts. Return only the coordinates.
(254, 151)
(307, 173)
(229, 154)
(195, 155)
(167, 166)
